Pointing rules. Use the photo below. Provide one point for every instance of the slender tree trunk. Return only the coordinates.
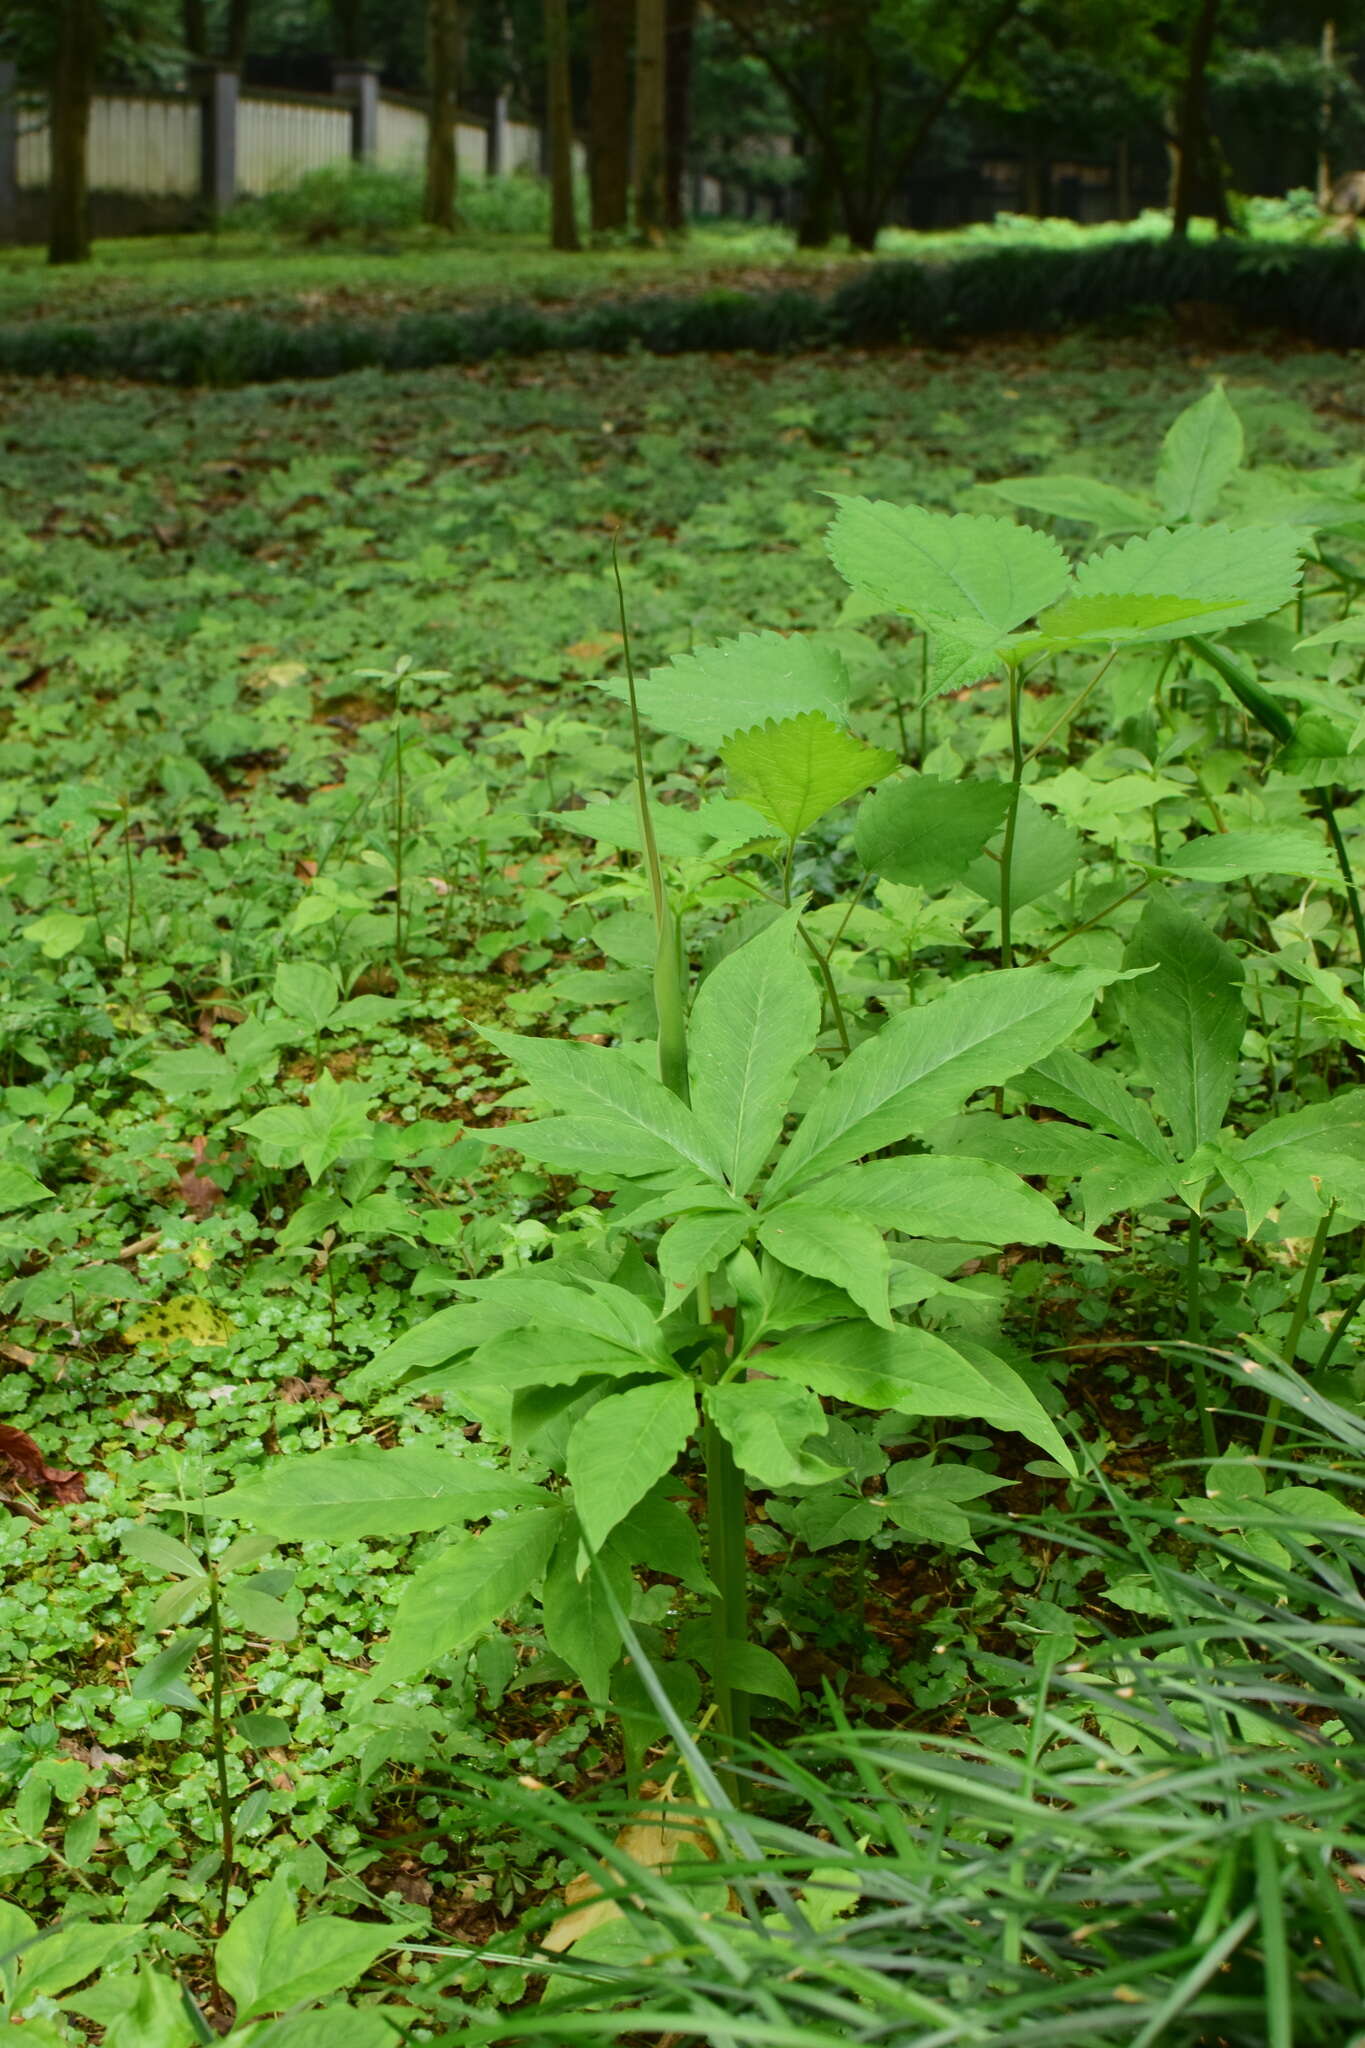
(443, 75)
(815, 224)
(347, 32)
(559, 125)
(1196, 167)
(73, 88)
(1123, 180)
(609, 115)
(1329, 58)
(238, 30)
(649, 120)
(680, 21)
(194, 29)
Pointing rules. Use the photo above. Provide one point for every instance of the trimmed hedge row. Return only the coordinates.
(1313, 291)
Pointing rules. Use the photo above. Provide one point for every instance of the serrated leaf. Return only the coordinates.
(1259, 850)
(1199, 454)
(602, 1092)
(969, 1199)
(354, 1490)
(1186, 1018)
(1111, 620)
(622, 1447)
(941, 568)
(755, 1018)
(456, 1596)
(815, 1236)
(925, 832)
(704, 696)
(1247, 571)
(767, 1424)
(925, 1062)
(794, 770)
(1086, 499)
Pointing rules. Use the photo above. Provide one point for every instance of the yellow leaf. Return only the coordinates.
(655, 1840)
(185, 1319)
(279, 675)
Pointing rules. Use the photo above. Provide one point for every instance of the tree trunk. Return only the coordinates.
(1123, 180)
(1329, 58)
(347, 33)
(649, 120)
(443, 74)
(1198, 175)
(680, 21)
(194, 27)
(238, 30)
(815, 225)
(609, 115)
(559, 126)
(73, 88)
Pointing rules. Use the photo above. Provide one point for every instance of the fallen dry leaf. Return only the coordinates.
(656, 1839)
(30, 1468)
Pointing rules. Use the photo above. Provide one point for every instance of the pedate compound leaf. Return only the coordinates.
(360, 1490)
(612, 1107)
(914, 1373)
(946, 569)
(755, 1018)
(926, 1062)
(1200, 453)
(455, 1597)
(622, 1447)
(1246, 571)
(756, 676)
(1086, 499)
(767, 1424)
(794, 770)
(926, 832)
(1186, 1017)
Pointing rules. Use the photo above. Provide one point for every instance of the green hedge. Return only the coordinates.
(1315, 292)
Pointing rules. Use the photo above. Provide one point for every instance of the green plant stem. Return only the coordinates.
(727, 1563)
(1072, 708)
(1193, 1327)
(399, 821)
(218, 1741)
(820, 958)
(132, 886)
(1343, 1323)
(1348, 879)
(1011, 819)
(1311, 1267)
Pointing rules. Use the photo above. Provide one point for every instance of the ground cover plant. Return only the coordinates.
(940, 1076)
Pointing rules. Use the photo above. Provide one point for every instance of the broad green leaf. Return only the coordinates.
(1186, 1018)
(815, 1236)
(622, 1447)
(1047, 853)
(352, 1490)
(162, 1678)
(443, 1336)
(591, 1146)
(914, 1373)
(604, 1092)
(305, 990)
(72, 1950)
(1260, 850)
(745, 681)
(925, 1062)
(599, 1309)
(794, 771)
(663, 1533)
(59, 933)
(752, 1669)
(335, 1122)
(154, 1547)
(926, 832)
(971, 1199)
(767, 1424)
(330, 2026)
(1122, 620)
(240, 1957)
(696, 1245)
(259, 1614)
(314, 1958)
(1293, 1149)
(1086, 499)
(714, 831)
(263, 1731)
(943, 568)
(1199, 454)
(755, 1018)
(456, 1596)
(1247, 571)
(576, 1613)
(1090, 1093)
(19, 1189)
(1347, 632)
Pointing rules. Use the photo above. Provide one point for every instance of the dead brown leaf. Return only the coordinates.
(28, 1465)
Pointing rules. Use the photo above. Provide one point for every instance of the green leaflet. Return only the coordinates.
(576, 1612)
(1125, 619)
(440, 1338)
(1247, 571)
(611, 1102)
(794, 770)
(1186, 1018)
(1260, 850)
(1047, 853)
(19, 1189)
(1199, 454)
(1086, 499)
(696, 1245)
(767, 1424)
(456, 1596)
(714, 831)
(914, 1373)
(1301, 1147)
(1090, 1093)
(622, 1446)
(927, 832)
(772, 675)
(927, 1061)
(816, 1236)
(946, 569)
(755, 1018)
(966, 1198)
(355, 1490)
